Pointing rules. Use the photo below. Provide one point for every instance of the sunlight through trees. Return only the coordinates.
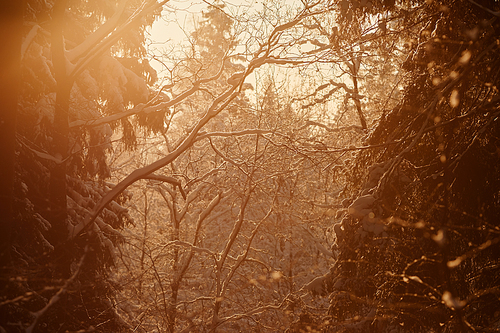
(278, 166)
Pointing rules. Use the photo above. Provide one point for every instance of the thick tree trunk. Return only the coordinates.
(11, 23)
(58, 201)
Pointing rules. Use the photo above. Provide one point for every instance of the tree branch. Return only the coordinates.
(143, 172)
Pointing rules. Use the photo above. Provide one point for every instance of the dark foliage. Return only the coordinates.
(49, 283)
(426, 257)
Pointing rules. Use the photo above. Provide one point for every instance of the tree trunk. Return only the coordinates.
(172, 307)
(58, 201)
(11, 23)
(357, 102)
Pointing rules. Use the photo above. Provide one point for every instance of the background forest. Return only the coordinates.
(286, 166)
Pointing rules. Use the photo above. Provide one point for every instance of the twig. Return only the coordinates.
(58, 295)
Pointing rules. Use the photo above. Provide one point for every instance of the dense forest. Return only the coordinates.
(283, 166)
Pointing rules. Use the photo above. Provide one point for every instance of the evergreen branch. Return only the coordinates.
(217, 105)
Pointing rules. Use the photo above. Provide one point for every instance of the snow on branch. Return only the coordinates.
(99, 43)
(190, 246)
(204, 214)
(148, 107)
(256, 311)
(251, 131)
(169, 180)
(104, 30)
(217, 105)
(40, 154)
(28, 39)
(329, 129)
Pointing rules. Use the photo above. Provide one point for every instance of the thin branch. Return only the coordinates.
(169, 180)
(54, 299)
(252, 131)
(138, 174)
(497, 14)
